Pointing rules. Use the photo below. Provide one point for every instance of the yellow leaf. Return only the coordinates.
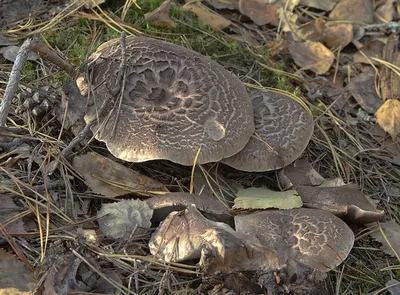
(207, 16)
(311, 56)
(388, 117)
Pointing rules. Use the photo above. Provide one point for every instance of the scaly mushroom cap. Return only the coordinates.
(174, 101)
(316, 238)
(283, 130)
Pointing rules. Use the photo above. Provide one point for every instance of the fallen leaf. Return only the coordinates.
(326, 5)
(313, 31)
(15, 279)
(311, 56)
(160, 16)
(67, 274)
(356, 11)
(224, 4)
(362, 87)
(391, 231)
(260, 12)
(125, 218)
(345, 201)
(207, 16)
(338, 35)
(111, 179)
(385, 12)
(262, 198)
(388, 117)
(389, 78)
(10, 53)
(371, 49)
(8, 212)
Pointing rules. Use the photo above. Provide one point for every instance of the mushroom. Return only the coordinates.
(283, 130)
(312, 237)
(174, 101)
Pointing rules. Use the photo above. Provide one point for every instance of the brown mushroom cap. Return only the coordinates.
(175, 100)
(283, 130)
(314, 237)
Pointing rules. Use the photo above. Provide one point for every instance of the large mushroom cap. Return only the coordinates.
(314, 237)
(283, 130)
(174, 101)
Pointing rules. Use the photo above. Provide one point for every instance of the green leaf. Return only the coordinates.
(262, 198)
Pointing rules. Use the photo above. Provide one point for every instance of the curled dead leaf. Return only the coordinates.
(312, 56)
(109, 178)
(388, 117)
(207, 16)
(160, 16)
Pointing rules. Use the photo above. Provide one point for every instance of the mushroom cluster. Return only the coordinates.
(154, 100)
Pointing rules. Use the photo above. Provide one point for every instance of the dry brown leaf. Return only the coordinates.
(362, 87)
(8, 210)
(384, 12)
(371, 49)
(224, 4)
(338, 36)
(326, 5)
(356, 11)
(260, 11)
(15, 279)
(389, 79)
(160, 16)
(313, 31)
(391, 230)
(311, 56)
(207, 16)
(388, 117)
(111, 179)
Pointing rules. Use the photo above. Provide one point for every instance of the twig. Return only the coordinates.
(16, 248)
(13, 82)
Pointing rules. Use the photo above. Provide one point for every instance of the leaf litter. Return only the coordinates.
(343, 153)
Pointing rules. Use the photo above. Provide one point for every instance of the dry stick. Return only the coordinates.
(31, 44)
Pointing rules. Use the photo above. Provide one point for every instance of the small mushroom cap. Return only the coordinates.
(316, 238)
(174, 101)
(283, 130)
